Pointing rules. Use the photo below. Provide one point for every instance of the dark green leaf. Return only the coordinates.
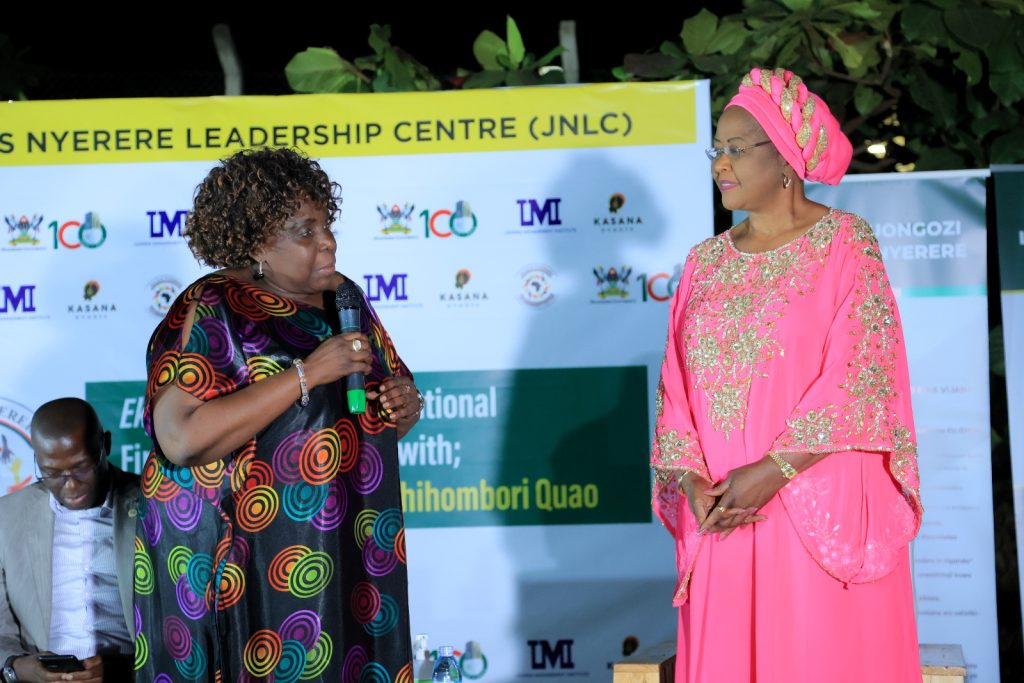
(485, 79)
(861, 10)
(866, 98)
(621, 74)
(970, 63)
(521, 78)
(516, 49)
(671, 49)
(368, 63)
(934, 97)
(1007, 85)
(973, 25)
(712, 64)
(998, 120)
(651, 66)
(399, 74)
(921, 22)
(550, 56)
(763, 50)
(699, 32)
(797, 5)
(1003, 52)
(318, 69)
(380, 37)
(730, 36)
(851, 56)
(486, 49)
(939, 159)
(503, 61)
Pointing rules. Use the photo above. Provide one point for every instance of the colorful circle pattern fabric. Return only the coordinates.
(285, 560)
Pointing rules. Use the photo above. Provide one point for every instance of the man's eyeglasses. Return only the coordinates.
(732, 151)
(79, 474)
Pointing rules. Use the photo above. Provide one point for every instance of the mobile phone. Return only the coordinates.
(61, 663)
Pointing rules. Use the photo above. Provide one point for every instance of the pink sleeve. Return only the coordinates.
(854, 510)
(676, 448)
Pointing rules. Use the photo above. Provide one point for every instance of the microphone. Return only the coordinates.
(347, 299)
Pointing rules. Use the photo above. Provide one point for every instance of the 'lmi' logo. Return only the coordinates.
(22, 299)
(532, 212)
(544, 655)
(379, 287)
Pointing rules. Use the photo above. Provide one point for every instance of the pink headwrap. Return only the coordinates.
(798, 122)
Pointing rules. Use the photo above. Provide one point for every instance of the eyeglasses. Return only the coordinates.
(731, 151)
(79, 474)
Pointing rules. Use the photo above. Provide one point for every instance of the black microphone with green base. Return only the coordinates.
(348, 299)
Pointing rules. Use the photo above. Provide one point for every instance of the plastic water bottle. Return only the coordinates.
(447, 669)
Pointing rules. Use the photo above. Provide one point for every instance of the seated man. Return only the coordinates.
(66, 551)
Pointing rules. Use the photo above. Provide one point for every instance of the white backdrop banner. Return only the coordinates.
(519, 245)
(931, 227)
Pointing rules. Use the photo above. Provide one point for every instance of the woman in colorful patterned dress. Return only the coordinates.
(271, 544)
(784, 447)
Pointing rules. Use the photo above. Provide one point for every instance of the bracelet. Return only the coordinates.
(788, 471)
(297, 364)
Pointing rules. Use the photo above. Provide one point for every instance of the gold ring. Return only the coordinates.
(357, 345)
(721, 508)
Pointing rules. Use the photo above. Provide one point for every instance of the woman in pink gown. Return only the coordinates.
(784, 449)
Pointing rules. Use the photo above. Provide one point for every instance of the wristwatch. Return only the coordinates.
(8, 671)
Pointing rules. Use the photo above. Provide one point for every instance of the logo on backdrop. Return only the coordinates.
(659, 287)
(90, 233)
(540, 216)
(91, 305)
(472, 662)
(165, 227)
(545, 655)
(17, 462)
(617, 220)
(386, 287)
(395, 220)
(535, 286)
(162, 293)
(23, 233)
(445, 223)
(465, 293)
(18, 302)
(612, 284)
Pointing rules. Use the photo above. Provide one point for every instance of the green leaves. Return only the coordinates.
(865, 99)
(922, 23)
(972, 25)
(506, 62)
(321, 69)
(389, 69)
(952, 70)
(486, 49)
(699, 32)
(703, 34)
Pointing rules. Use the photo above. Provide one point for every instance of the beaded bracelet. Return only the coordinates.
(297, 364)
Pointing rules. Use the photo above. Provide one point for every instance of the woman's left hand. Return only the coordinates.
(399, 401)
(744, 489)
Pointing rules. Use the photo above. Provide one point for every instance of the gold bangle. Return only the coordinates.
(788, 471)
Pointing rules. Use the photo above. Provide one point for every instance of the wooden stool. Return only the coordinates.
(942, 664)
(655, 664)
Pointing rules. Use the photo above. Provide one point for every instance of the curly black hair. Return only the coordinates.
(247, 197)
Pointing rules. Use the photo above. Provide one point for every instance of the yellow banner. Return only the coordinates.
(493, 120)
